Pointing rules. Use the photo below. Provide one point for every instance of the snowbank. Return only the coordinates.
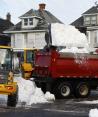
(93, 113)
(30, 94)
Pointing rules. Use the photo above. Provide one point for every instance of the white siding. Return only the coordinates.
(29, 40)
(36, 40)
(17, 40)
(40, 40)
(92, 38)
(88, 37)
(13, 40)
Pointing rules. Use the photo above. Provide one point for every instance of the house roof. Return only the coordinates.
(92, 10)
(78, 22)
(44, 16)
(4, 25)
(31, 12)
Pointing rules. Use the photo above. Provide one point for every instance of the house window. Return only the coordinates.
(95, 37)
(93, 19)
(87, 20)
(30, 21)
(25, 22)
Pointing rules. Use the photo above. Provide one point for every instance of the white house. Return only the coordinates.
(30, 31)
(89, 21)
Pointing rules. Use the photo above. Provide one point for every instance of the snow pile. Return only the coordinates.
(30, 94)
(69, 37)
(49, 96)
(79, 58)
(93, 113)
(74, 50)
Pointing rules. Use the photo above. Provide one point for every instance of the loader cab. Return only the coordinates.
(25, 60)
(29, 56)
(7, 84)
(5, 63)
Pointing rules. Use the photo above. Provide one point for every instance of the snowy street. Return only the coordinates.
(68, 107)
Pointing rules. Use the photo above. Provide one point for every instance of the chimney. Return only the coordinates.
(42, 6)
(8, 17)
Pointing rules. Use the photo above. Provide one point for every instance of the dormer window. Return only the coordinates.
(30, 21)
(25, 22)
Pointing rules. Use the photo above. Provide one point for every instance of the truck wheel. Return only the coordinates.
(12, 99)
(63, 90)
(82, 90)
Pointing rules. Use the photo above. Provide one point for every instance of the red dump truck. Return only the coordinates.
(64, 74)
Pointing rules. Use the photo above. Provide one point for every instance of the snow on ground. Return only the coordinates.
(30, 94)
(93, 113)
(89, 102)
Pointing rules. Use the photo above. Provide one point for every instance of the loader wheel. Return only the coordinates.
(63, 90)
(12, 99)
(82, 90)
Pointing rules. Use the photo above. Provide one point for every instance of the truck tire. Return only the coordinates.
(12, 99)
(63, 90)
(82, 90)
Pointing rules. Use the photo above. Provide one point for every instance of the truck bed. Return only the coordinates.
(68, 65)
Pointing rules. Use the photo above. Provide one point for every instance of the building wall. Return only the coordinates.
(92, 37)
(28, 40)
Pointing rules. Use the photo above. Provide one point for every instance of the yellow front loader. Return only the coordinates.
(7, 84)
(26, 60)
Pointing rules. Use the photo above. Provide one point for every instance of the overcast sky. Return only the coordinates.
(66, 10)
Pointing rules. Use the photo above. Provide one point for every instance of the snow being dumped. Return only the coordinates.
(69, 37)
(71, 40)
(30, 94)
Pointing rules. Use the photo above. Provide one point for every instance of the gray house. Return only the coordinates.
(31, 31)
(89, 21)
(4, 25)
